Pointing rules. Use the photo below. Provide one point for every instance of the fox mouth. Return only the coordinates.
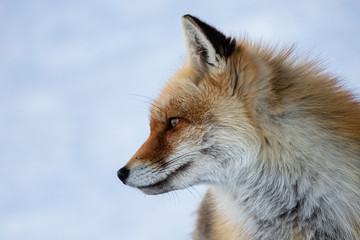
(165, 185)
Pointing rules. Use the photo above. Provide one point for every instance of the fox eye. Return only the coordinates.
(173, 121)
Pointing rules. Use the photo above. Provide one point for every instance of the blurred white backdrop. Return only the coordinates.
(70, 118)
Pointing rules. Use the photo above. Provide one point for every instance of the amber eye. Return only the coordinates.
(173, 121)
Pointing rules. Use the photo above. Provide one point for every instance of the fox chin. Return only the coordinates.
(275, 137)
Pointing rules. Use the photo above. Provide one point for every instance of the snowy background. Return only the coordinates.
(70, 115)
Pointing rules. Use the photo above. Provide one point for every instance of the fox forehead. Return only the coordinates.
(182, 97)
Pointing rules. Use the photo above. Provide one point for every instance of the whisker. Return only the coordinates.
(188, 189)
(139, 95)
(165, 165)
(199, 194)
(150, 169)
(150, 101)
(154, 163)
(177, 197)
(161, 159)
(169, 196)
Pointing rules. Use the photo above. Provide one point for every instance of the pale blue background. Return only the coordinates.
(69, 119)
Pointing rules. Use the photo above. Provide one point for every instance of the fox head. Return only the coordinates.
(201, 125)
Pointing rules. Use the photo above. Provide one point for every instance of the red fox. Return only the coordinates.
(276, 138)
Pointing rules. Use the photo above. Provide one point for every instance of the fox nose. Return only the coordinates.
(123, 173)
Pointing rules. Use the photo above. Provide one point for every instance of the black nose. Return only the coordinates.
(123, 173)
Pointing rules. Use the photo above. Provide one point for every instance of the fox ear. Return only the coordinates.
(207, 48)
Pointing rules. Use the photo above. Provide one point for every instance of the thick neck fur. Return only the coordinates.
(302, 179)
(288, 200)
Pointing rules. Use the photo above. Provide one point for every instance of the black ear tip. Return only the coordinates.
(192, 18)
(187, 16)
